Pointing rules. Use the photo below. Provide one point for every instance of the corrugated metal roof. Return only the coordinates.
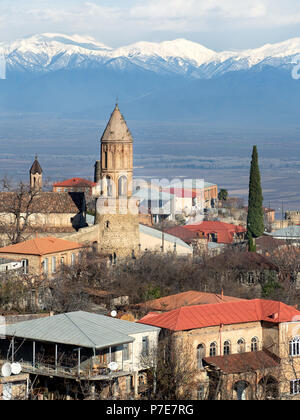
(169, 238)
(153, 194)
(80, 328)
(288, 232)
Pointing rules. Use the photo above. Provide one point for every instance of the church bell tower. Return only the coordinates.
(36, 176)
(117, 210)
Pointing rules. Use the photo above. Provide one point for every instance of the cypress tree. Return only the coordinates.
(255, 219)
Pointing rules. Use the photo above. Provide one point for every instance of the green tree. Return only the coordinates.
(255, 218)
(223, 194)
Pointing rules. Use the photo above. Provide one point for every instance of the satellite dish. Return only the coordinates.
(6, 370)
(16, 368)
(113, 366)
(113, 314)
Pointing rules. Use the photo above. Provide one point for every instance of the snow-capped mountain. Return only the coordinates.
(77, 75)
(50, 52)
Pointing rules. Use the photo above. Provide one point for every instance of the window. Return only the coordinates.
(126, 351)
(45, 266)
(226, 348)
(200, 392)
(145, 346)
(200, 355)
(25, 266)
(254, 344)
(295, 387)
(122, 186)
(241, 345)
(73, 259)
(213, 349)
(294, 347)
(53, 264)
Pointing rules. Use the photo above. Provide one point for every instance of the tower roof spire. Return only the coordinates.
(36, 167)
(116, 129)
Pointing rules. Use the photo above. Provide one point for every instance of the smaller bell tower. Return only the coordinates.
(36, 176)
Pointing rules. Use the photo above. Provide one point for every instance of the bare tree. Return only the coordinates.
(18, 209)
(171, 369)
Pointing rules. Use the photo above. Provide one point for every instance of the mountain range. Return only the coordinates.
(76, 75)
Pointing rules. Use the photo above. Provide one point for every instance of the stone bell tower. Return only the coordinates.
(117, 210)
(36, 176)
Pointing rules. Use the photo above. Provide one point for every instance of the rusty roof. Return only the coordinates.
(182, 233)
(242, 311)
(188, 298)
(40, 246)
(243, 362)
(75, 182)
(43, 202)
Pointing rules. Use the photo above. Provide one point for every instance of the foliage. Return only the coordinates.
(223, 194)
(255, 219)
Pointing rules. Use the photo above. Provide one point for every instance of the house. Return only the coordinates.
(77, 185)
(43, 256)
(191, 297)
(47, 212)
(81, 354)
(266, 245)
(247, 349)
(204, 193)
(154, 240)
(161, 205)
(249, 268)
(220, 232)
(290, 233)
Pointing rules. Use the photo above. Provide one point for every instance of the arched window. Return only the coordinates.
(294, 347)
(226, 348)
(105, 160)
(122, 186)
(200, 355)
(109, 186)
(213, 349)
(241, 345)
(254, 344)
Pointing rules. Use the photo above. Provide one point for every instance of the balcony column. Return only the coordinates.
(13, 349)
(79, 355)
(33, 354)
(55, 357)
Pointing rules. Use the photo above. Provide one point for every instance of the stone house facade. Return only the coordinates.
(243, 350)
(43, 256)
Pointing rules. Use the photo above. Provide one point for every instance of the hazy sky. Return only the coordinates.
(217, 24)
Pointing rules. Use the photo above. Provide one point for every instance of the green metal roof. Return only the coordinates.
(82, 329)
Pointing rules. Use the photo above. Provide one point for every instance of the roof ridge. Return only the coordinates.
(69, 318)
(95, 323)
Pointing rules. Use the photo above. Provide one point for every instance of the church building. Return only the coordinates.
(116, 209)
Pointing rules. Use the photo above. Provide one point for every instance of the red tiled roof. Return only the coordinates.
(243, 362)
(191, 297)
(40, 246)
(182, 233)
(75, 182)
(224, 231)
(181, 192)
(243, 311)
